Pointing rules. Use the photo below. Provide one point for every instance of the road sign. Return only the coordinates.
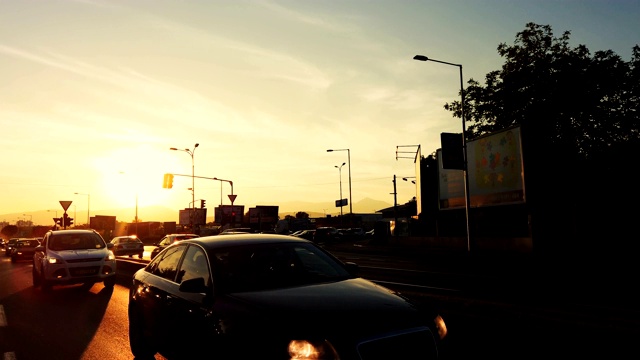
(65, 204)
(232, 198)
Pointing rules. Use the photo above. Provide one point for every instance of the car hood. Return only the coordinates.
(70, 255)
(343, 308)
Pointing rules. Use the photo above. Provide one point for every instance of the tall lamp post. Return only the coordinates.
(193, 182)
(349, 164)
(340, 171)
(88, 207)
(464, 143)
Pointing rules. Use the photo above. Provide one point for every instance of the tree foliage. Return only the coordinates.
(562, 97)
(10, 231)
(579, 118)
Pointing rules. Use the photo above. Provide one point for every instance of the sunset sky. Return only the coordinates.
(93, 93)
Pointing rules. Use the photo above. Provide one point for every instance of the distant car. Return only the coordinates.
(369, 234)
(10, 245)
(24, 249)
(306, 234)
(170, 239)
(75, 256)
(127, 245)
(326, 234)
(269, 296)
(351, 234)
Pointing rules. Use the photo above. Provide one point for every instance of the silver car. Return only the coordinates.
(68, 257)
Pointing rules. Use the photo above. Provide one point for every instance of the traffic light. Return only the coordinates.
(66, 220)
(168, 181)
(202, 203)
(57, 221)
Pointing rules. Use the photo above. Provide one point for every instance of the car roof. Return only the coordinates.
(217, 241)
(73, 231)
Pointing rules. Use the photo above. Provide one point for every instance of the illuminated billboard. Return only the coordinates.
(496, 173)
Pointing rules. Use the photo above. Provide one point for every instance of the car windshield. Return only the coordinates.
(28, 243)
(262, 267)
(75, 242)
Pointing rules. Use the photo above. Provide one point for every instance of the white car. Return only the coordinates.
(68, 257)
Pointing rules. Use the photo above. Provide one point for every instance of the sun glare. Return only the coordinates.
(133, 175)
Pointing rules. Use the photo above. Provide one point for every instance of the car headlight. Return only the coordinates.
(110, 256)
(53, 260)
(441, 326)
(304, 349)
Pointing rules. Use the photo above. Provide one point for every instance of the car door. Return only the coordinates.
(190, 305)
(170, 310)
(156, 292)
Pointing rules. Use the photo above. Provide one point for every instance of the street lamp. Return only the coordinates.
(409, 177)
(340, 171)
(193, 182)
(464, 143)
(349, 162)
(88, 207)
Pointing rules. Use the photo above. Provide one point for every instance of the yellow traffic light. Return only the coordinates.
(168, 181)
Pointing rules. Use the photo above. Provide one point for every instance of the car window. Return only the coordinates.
(75, 242)
(194, 265)
(28, 243)
(167, 265)
(254, 268)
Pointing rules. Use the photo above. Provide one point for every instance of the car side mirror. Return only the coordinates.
(195, 285)
(110, 246)
(39, 248)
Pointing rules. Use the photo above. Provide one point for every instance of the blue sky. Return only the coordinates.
(94, 93)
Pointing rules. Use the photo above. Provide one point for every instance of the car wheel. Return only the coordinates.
(140, 346)
(35, 277)
(140, 255)
(110, 282)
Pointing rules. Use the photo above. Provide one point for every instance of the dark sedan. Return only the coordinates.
(24, 249)
(266, 296)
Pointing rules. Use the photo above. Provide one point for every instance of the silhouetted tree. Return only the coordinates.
(9, 231)
(580, 127)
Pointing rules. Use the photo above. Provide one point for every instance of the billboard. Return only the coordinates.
(199, 219)
(263, 214)
(495, 170)
(102, 222)
(223, 214)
